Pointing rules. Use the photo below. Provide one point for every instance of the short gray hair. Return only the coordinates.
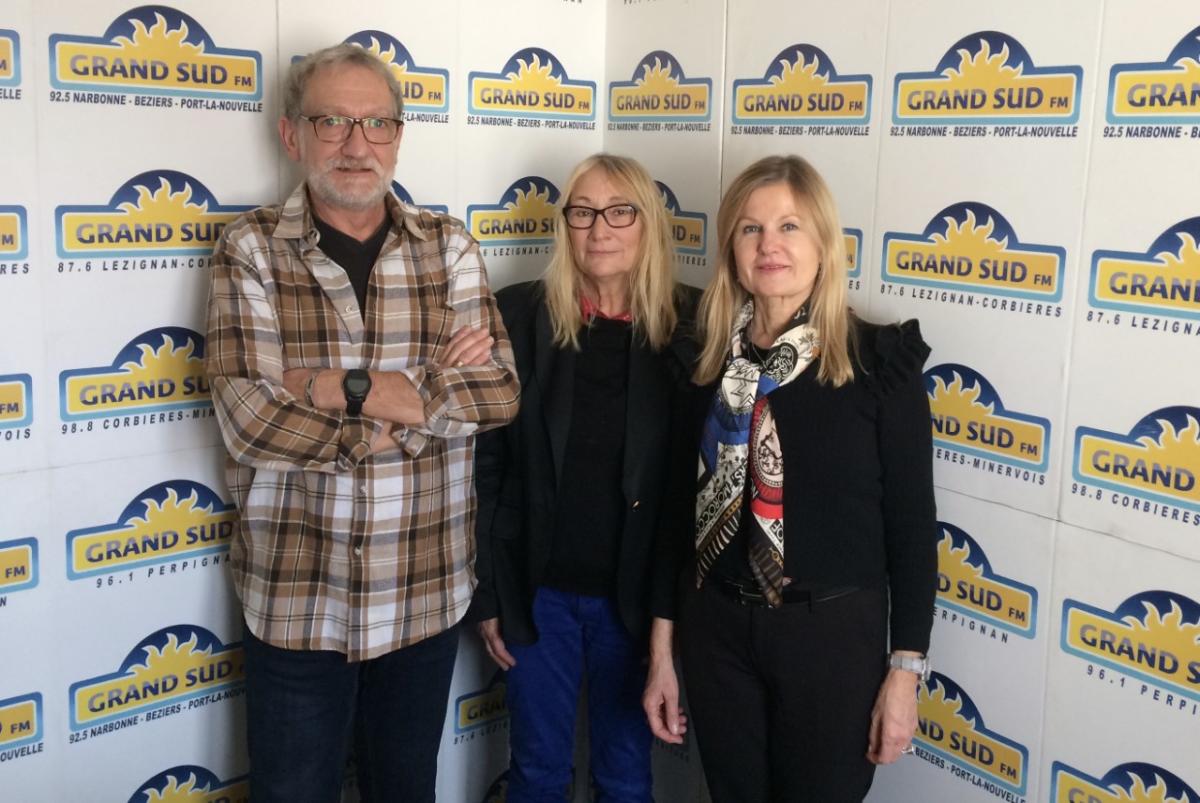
(345, 53)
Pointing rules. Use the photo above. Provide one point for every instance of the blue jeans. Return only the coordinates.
(577, 634)
(304, 706)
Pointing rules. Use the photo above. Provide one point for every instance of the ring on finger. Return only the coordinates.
(908, 750)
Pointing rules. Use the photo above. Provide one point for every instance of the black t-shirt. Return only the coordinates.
(355, 257)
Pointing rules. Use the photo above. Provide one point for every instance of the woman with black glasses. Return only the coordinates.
(571, 495)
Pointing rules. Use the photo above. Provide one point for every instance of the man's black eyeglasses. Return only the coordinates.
(584, 217)
(338, 128)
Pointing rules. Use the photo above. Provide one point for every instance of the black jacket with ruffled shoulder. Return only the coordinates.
(858, 477)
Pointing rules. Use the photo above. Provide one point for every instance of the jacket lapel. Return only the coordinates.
(556, 381)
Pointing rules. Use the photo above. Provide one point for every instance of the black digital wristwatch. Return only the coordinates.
(356, 384)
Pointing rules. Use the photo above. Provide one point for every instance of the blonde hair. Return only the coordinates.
(724, 296)
(651, 282)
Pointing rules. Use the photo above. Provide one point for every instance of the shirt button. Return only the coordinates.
(362, 489)
(637, 503)
(349, 308)
(358, 551)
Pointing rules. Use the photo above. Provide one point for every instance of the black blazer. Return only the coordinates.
(517, 470)
(858, 477)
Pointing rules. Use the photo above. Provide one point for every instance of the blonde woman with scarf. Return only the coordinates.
(809, 590)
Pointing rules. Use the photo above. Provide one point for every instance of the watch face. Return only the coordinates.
(357, 383)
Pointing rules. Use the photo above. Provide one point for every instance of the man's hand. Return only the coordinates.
(894, 718)
(489, 631)
(467, 347)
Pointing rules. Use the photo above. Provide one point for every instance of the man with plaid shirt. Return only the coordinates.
(354, 349)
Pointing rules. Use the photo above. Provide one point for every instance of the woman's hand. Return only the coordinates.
(660, 700)
(894, 718)
(489, 631)
(467, 347)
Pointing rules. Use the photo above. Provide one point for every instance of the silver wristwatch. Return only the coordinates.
(918, 665)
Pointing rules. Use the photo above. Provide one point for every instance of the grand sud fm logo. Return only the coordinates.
(169, 666)
(158, 370)
(16, 401)
(1158, 460)
(10, 58)
(406, 197)
(853, 238)
(14, 233)
(970, 246)
(172, 520)
(156, 213)
(425, 89)
(525, 215)
(478, 709)
(988, 77)
(532, 83)
(660, 92)
(1153, 636)
(192, 784)
(802, 87)
(689, 230)
(155, 50)
(20, 721)
(968, 416)
(952, 726)
(968, 584)
(1165, 280)
(1132, 782)
(18, 565)
(1166, 91)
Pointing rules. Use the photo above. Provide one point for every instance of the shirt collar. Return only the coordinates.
(590, 310)
(296, 220)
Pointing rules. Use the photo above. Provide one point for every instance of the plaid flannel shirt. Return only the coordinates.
(338, 549)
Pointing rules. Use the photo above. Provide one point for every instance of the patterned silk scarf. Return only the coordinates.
(739, 434)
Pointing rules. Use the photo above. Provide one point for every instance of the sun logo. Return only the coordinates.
(10, 58)
(660, 92)
(425, 89)
(18, 565)
(14, 239)
(525, 215)
(968, 416)
(192, 784)
(172, 664)
(1158, 459)
(802, 87)
(159, 370)
(1134, 782)
(967, 583)
(533, 83)
(1158, 91)
(168, 521)
(156, 213)
(949, 724)
(155, 50)
(22, 719)
(971, 246)
(988, 77)
(1153, 636)
(1164, 280)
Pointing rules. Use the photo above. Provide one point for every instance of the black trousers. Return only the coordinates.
(780, 699)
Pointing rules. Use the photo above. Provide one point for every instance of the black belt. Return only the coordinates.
(753, 597)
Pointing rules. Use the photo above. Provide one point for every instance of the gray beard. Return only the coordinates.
(321, 186)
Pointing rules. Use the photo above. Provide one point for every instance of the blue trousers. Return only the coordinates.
(577, 635)
(304, 706)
